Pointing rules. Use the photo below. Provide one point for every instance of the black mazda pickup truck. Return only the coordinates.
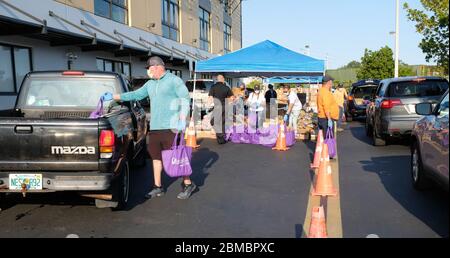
(49, 143)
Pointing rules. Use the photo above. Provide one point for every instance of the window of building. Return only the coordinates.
(116, 10)
(170, 19)
(206, 76)
(205, 31)
(15, 64)
(114, 66)
(226, 7)
(227, 39)
(178, 73)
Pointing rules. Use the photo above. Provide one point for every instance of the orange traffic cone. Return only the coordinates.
(281, 140)
(191, 140)
(324, 183)
(318, 152)
(318, 227)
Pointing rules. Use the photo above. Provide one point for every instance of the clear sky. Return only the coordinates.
(340, 28)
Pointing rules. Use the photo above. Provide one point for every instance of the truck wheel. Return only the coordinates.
(420, 181)
(377, 141)
(120, 187)
(2, 200)
(140, 160)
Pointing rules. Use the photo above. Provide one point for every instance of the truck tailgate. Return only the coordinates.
(49, 145)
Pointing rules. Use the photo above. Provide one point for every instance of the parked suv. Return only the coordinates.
(392, 113)
(429, 148)
(358, 98)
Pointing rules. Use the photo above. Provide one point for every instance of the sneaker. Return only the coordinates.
(187, 191)
(340, 130)
(155, 192)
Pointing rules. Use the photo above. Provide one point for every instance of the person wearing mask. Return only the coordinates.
(294, 108)
(271, 95)
(257, 104)
(326, 103)
(218, 95)
(341, 95)
(164, 90)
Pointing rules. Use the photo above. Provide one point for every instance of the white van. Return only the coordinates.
(202, 88)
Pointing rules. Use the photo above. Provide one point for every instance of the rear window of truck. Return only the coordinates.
(418, 88)
(66, 92)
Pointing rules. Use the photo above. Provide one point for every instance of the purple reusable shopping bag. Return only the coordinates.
(177, 160)
(331, 142)
(99, 111)
(290, 137)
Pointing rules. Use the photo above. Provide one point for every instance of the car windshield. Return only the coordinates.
(364, 91)
(66, 92)
(419, 88)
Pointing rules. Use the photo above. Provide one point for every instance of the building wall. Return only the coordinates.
(190, 23)
(146, 13)
(86, 5)
(217, 27)
(143, 14)
(236, 29)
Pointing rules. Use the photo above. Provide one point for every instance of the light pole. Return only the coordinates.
(308, 51)
(397, 32)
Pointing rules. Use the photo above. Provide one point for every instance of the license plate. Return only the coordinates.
(32, 181)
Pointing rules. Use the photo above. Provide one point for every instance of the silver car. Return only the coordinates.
(393, 111)
(429, 148)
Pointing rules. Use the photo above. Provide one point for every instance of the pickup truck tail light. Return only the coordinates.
(106, 142)
(388, 104)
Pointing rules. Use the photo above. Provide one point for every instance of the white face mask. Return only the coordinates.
(150, 74)
(257, 91)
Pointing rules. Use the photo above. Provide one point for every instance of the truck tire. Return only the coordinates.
(141, 158)
(2, 200)
(377, 140)
(419, 179)
(120, 187)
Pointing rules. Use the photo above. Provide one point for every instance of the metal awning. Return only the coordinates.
(63, 25)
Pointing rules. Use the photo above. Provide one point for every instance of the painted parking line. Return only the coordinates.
(333, 215)
(332, 207)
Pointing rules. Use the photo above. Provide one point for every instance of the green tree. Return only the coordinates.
(405, 70)
(253, 83)
(353, 64)
(432, 23)
(376, 64)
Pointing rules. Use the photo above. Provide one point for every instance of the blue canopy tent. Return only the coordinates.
(295, 79)
(265, 59)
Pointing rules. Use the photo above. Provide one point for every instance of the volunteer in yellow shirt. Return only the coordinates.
(340, 95)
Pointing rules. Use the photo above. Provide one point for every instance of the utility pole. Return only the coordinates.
(397, 34)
